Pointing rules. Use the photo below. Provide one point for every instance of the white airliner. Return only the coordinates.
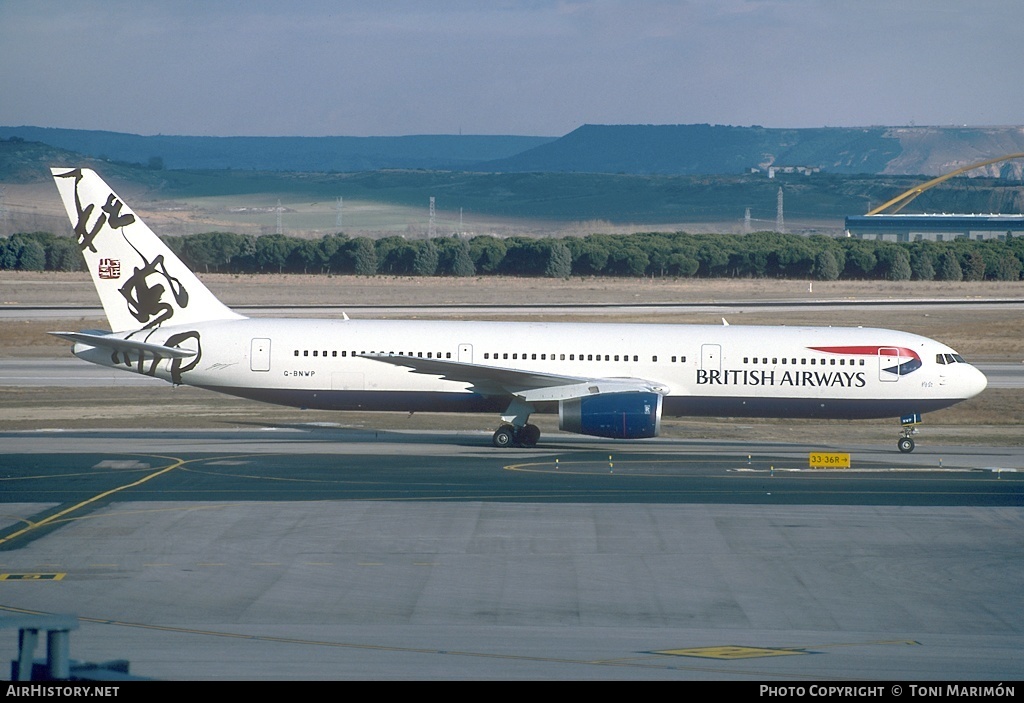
(607, 380)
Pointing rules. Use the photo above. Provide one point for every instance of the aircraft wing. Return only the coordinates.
(531, 386)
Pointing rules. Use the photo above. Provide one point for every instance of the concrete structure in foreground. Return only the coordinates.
(535, 572)
(392, 590)
(938, 227)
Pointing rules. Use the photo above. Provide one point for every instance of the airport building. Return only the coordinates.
(938, 227)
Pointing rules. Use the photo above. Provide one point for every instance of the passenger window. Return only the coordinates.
(296, 352)
(654, 358)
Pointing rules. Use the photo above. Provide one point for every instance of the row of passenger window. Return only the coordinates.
(317, 352)
(802, 362)
(495, 356)
(571, 357)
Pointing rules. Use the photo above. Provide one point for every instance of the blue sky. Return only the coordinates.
(532, 67)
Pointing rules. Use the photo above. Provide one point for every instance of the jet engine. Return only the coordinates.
(626, 415)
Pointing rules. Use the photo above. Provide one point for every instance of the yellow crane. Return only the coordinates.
(902, 200)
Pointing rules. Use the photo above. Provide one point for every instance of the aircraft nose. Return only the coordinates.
(976, 382)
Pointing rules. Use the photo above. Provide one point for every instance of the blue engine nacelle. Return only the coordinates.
(629, 415)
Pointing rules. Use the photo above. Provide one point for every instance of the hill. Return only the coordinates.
(322, 154)
(719, 149)
(706, 149)
(616, 149)
(396, 200)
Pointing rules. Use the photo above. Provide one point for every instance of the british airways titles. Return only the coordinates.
(757, 377)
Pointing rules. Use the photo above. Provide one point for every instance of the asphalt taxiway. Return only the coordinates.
(317, 552)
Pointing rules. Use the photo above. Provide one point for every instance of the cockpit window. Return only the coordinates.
(959, 359)
(949, 359)
(940, 359)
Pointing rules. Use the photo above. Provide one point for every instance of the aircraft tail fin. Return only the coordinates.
(140, 281)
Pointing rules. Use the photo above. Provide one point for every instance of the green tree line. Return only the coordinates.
(654, 254)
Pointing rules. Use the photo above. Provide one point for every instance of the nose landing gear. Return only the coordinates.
(906, 443)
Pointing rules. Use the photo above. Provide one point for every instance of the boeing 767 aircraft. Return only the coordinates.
(606, 380)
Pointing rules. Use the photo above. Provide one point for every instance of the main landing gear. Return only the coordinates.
(512, 436)
(514, 430)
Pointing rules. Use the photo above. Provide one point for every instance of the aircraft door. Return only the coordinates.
(466, 353)
(711, 357)
(889, 364)
(259, 354)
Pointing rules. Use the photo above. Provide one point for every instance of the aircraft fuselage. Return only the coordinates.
(743, 371)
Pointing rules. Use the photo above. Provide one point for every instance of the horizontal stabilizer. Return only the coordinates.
(124, 345)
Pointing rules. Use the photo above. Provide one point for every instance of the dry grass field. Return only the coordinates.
(984, 333)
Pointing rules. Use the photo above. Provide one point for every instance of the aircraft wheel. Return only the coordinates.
(529, 436)
(504, 436)
(906, 444)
